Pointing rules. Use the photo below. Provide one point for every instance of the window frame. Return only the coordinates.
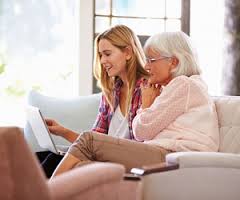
(185, 16)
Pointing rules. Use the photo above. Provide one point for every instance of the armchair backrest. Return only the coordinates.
(21, 175)
(228, 110)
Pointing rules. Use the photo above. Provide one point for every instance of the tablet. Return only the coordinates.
(40, 129)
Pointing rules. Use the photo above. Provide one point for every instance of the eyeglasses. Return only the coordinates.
(152, 60)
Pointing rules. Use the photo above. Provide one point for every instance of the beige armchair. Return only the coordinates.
(200, 175)
(23, 179)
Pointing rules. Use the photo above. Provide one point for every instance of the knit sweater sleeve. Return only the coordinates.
(171, 103)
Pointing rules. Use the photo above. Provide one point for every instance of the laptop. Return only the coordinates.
(41, 131)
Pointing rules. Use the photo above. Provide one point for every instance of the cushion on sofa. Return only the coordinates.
(228, 110)
(77, 114)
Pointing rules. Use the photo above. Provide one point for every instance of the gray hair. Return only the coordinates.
(179, 45)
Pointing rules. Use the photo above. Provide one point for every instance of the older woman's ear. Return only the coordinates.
(174, 62)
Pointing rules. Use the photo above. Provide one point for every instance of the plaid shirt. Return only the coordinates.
(105, 113)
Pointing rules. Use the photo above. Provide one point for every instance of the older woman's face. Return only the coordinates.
(159, 68)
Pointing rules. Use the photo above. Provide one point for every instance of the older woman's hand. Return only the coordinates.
(149, 93)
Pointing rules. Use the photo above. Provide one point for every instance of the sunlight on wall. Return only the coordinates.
(39, 51)
(206, 29)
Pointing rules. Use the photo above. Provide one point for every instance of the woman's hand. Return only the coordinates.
(149, 93)
(55, 128)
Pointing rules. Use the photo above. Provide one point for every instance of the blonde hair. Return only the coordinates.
(121, 37)
(176, 44)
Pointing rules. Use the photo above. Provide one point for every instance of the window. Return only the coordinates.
(38, 51)
(144, 17)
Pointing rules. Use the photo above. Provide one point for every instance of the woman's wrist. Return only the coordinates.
(69, 135)
(63, 132)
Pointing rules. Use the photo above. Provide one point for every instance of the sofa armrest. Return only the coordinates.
(190, 160)
(86, 178)
(148, 169)
(203, 159)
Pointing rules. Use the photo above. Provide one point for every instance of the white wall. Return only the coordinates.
(85, 45)
(206, 30)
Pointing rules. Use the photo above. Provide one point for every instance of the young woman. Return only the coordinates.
(177, 114)
(119, 69)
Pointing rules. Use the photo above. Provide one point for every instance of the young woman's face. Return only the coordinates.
(159, 68)
(112, 59)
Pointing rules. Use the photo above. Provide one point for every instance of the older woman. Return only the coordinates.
(183, 116)
(177, 113)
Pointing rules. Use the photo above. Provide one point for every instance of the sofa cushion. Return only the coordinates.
(77, 114)
(228, 110)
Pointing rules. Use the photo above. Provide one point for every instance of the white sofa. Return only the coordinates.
(201, 175)
(193, 175)
(78, 114)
